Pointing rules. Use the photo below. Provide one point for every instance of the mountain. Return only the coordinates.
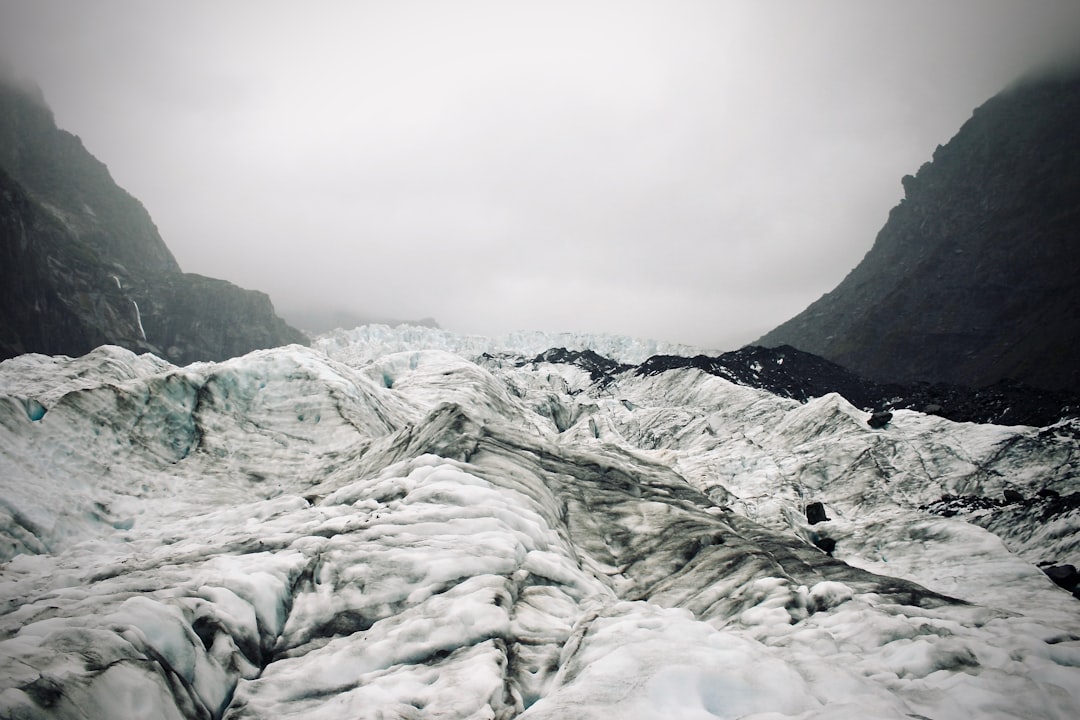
(318, 321)
(365, 343)
(971, 280)
(792, 373)
(424, 534)
(82, 264)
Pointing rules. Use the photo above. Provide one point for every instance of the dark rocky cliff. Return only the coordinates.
(82, 264)
(192, 317)
(972, 280)
(73, 186)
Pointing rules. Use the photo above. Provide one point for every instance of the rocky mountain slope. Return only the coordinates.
(82, 264)
(972, 279)
(425, 535)
(799, 375)
(783, 370)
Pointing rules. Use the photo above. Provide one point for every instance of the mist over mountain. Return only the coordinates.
(405, 522)
(972, 279)
(320, 320)
(83, 264)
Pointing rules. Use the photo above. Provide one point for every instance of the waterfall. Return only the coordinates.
(138, 318)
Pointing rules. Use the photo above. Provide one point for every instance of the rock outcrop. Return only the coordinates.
(972, 280)
(82, 264)
(191, 317)
(792, 373)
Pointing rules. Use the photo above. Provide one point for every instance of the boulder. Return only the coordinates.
(1064, 576)
(815, 513)
(827, 544)
(879, 419)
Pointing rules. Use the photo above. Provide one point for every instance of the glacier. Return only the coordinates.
(368, 342)
(394, 525)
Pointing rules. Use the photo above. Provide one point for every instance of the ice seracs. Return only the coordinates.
(421, 534)
(369, 342)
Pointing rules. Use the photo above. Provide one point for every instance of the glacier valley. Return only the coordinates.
(396, 524)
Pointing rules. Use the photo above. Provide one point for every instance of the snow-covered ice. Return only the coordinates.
(369, 342)
(391, 531)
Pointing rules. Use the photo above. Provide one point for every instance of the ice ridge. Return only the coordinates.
(420, 534)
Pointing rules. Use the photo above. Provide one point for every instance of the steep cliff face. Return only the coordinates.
(57, 293)
(73, 186)
(190, 316)
(82, 264)
(973, 278)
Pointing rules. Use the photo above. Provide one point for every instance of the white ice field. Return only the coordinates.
(373, 531)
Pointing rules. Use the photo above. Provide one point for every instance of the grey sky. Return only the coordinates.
(694, 172)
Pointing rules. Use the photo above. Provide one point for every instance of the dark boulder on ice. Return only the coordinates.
(815, 513)
(972, 278)
(879, 419)
(82, 263)
(1064, 576)
(825, 543)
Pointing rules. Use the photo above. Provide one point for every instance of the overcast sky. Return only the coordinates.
(695, 172)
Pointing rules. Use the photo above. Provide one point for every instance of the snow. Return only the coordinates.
(396, 530)
(369, 342)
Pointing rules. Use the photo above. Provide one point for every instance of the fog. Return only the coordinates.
(694, 172)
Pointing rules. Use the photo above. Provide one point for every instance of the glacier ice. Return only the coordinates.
(385, 530)
(370, 342)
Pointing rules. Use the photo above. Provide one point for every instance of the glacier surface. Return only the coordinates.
(369, 530)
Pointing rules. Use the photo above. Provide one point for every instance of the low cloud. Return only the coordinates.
(695, 172)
